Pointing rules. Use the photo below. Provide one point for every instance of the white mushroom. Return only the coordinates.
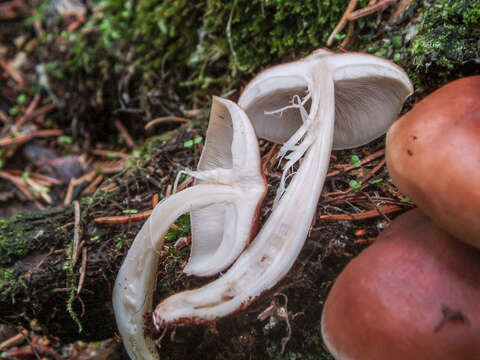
(349, 99)
(235, 182)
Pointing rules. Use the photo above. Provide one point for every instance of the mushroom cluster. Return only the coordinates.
(312, 105)
(415, 293)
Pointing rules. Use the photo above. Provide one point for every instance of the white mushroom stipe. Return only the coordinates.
(239, 189)
(354, 98)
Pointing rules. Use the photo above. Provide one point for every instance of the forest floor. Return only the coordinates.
(55, 150)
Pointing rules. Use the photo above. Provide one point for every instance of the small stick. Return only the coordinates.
(90, 189)
(368, 10)
(346, 42)
(123, 219)
(11, 71)
(83, 270)
(17, 181)
(88, 177)
(364, 161)
(168, 192)
(369, 175)
(386, 209)
(378, 208)
(69, 195)
(41, 111)
(109, 187)
(124, 133)
(402, 5)
(165, 119)
(343, 21)
(13, 340)
(76, 233)
(31, 107)
(39, 178)
(23, 138)
(109, 154)
(155, 200)
(272, 154)
(184, 184)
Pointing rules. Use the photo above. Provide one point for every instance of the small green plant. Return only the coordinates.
(130, 211)
(183, 224)
(190, 143)
(355, 185)
(356, 161)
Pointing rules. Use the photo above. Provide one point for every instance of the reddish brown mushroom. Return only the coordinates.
(433, 156)
(414, 294)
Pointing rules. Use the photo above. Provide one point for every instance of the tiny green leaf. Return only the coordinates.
(130, 211)
(356, 161)
(21, 99)
(376, 181)
(190, 143)
(65, 139)
(354, 184)
(405, 200)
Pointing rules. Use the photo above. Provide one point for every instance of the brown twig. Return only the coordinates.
(88, 177)
(109, 154)
(164, 119)
(155, 200)
(364, 161)
(76, 233)
(18, 182)
(386, 209)
(31, 107)
(368, 10)
(184, 184)
(14, 340)
(343, 21)
(11, 71)
(23, 138)
(90, 189)
(123, 219)
(124, 133)
(39, 178)
(402, 5)
(83, 270)
(41, 111)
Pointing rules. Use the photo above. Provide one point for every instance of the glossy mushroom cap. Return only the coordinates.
(433, 156)
(414, 294)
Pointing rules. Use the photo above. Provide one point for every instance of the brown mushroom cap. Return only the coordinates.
(433, 156)
(414, 294)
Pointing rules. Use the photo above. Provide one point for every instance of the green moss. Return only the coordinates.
(449, 34)
(192, 47)
(10, 283)
(435, 41)
(13, 243)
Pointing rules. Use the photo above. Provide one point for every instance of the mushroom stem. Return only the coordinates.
(133, 290)
(278, 243)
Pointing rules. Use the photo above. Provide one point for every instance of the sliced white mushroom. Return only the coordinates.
(238, 187)
(230, 156)
(326, 100)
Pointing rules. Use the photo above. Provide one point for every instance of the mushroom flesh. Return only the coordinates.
(349, 100)
(237, 184)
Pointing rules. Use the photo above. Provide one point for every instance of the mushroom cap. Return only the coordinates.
(433, 156)
(414, 294)
(369, 93)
